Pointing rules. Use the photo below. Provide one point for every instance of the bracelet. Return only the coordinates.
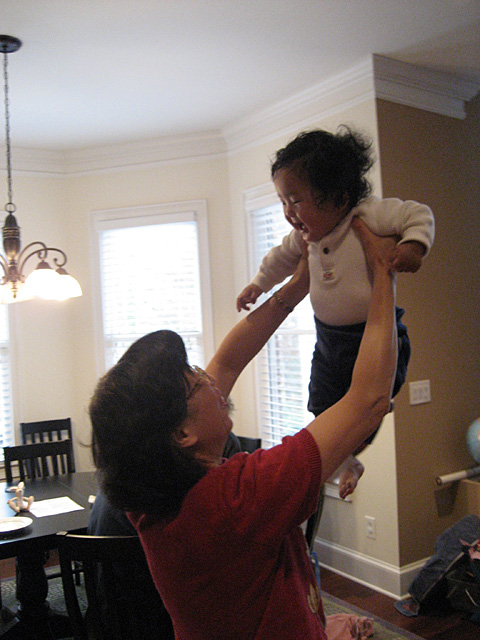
(282, 302)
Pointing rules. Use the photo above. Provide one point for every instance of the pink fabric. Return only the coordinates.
(345, 626)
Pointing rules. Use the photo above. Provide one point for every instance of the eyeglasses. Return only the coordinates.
(201, 376)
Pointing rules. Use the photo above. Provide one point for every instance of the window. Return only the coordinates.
(7, 436)
(283, 366)
(153, 265)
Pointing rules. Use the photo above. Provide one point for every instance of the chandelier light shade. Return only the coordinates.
(45, 281)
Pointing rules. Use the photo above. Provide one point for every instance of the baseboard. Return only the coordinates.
(381, 576)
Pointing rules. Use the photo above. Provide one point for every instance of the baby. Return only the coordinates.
(320, 180)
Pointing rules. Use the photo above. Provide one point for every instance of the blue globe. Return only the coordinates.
(473, 440)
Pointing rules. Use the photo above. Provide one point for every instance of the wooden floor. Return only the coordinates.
(449, 627)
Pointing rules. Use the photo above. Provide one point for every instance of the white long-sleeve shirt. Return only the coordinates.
(340, 287)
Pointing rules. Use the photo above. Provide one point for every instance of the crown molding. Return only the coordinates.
(118, 157)
(302, 110)
(37, 162)
(373, 77)
(422, 88)
(149, 153)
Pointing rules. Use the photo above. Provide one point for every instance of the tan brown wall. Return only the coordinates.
(436, 160)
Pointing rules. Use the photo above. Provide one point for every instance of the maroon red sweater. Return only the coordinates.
(234, 565)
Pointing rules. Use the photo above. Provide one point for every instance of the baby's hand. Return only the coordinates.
(248, 296)
(408, 256)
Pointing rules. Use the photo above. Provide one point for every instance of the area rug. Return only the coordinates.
(55, 593)
(383, 630)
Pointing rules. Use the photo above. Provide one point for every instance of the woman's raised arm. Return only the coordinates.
(249, 335)
(340, 429)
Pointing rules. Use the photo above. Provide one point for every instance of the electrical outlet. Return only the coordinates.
(371, 528)
(419, 392)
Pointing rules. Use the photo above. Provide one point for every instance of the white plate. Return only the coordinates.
(9, 525)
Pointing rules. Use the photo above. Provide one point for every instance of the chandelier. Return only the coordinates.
(44, 281)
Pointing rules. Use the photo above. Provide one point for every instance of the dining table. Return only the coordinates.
(30, 542)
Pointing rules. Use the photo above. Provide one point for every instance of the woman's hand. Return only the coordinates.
(378, 249)
(408, 256)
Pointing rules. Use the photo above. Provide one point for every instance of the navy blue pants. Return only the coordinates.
(334, 357)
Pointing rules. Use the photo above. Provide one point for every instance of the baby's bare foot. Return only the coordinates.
(352, 471)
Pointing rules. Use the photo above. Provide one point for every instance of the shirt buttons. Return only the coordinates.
(328, 275)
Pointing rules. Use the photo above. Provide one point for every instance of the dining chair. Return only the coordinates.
(114, 612)
(52, 457)
(236, 444)
(249, 444)
(40, 460)
(46, 431)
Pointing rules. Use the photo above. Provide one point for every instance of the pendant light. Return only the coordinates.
(44, 281)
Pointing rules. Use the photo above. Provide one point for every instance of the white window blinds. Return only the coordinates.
(7, 436)
(151, 278)
(283, 366)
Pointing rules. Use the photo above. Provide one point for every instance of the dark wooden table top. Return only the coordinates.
(41, 533)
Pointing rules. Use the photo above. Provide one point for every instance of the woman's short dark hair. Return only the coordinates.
(136, 408)
(334, 165)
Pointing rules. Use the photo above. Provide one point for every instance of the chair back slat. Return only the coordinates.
(23, 471)
(47, 454)
(114, 613)
(47, 431)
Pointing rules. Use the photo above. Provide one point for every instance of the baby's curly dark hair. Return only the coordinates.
(334, 165)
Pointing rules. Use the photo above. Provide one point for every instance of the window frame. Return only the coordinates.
(148, 215)
(255, 199)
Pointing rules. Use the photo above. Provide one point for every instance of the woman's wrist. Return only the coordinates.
(282, 303)
(291, 294)
(295, 289)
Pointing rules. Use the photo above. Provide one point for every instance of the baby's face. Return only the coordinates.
(312, 217)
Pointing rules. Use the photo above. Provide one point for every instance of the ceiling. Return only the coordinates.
(95, 72)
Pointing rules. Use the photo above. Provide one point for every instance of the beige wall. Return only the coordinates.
(40, 331)
(436, 159)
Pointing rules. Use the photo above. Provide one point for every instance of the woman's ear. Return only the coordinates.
(185, 437)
